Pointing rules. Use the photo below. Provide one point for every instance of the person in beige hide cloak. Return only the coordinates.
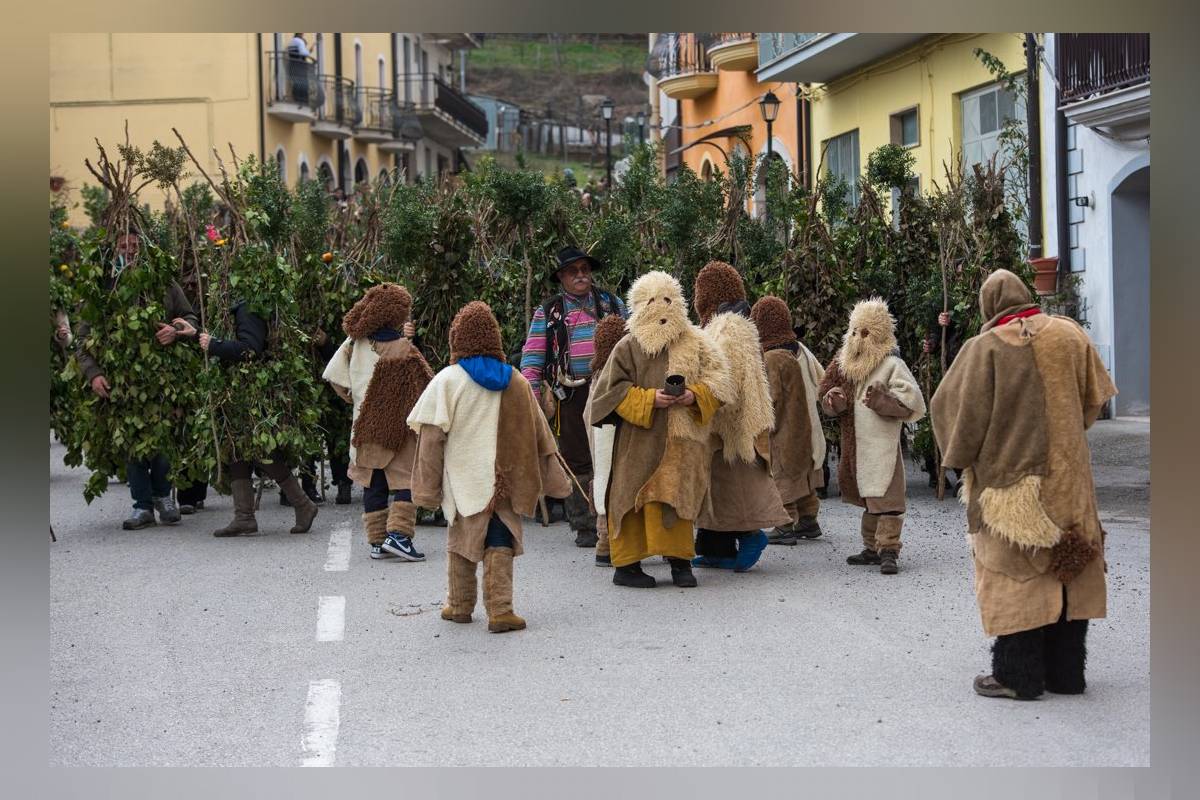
(742, 497)
(382, 374)
(660, 387)
(797, 441)
(871, 391)
(485, 454)
(1012, 414)
(601, 439)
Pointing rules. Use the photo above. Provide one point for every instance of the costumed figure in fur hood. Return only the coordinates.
(1012, 413)
(486, 455)
(871, 391)
(661, 387)
(797, 441)
(601, 439)
(742, 498)
(382, 374)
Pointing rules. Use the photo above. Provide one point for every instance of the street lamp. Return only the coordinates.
(606, 111)
(641, 122)
(769, 106)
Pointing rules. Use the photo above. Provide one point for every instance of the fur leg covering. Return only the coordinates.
(602, 544)
(460, 596)
(375, 524)
(870, 523)
(402, 518)
(498, 590)
(1018, 662)
(887, 531)
(1066, 656)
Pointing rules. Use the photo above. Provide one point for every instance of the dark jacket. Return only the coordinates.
(175, 303)
(251, 341)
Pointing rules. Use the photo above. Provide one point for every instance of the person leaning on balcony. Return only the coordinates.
(556, 360)
(298, 55)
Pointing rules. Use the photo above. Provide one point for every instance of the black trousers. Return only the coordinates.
(197, 492)
(717, 544)
(1050, 658)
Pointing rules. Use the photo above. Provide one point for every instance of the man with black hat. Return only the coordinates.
(556, 360)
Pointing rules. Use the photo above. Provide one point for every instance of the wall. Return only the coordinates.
(930, 75)
(202, 84)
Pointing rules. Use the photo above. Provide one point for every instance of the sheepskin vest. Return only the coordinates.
(469, 472)
(740, 423)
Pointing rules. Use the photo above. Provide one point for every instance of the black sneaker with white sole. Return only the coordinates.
(400, 545)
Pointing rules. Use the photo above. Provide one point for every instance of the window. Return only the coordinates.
(428, 162)
(361, 173)
(914, 185)
(382, 73)
(424, 82)
(304, 171)
(358, 80)
(407, 63)
(984, 114)
(906, 127)
(281, 163)
(320, 54)
(841, 161)
(706, 170)
(325, 176)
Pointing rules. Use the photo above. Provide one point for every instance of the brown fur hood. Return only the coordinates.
(608, 332)
(716, 283)
(384, 306)
(475, 332)
(774, 322)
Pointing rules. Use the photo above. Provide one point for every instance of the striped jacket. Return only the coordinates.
(580, 314)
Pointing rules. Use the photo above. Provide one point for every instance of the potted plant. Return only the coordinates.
(1045, 278)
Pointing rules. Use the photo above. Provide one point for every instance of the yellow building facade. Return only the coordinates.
(911, 92)
(335, 114)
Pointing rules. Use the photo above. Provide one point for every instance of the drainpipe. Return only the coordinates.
(804, 127)
(1060, 177)
(262, 102)
(1033, 115)
(341, 148)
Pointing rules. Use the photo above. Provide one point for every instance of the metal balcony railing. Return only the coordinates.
(773, 45)
(678, 54)
(711, 40)
(293, 79)
(379, 110)
(339, 101)
(1093, 63)
(450, 101)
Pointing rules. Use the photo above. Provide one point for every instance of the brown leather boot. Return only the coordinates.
(243, 510)
(461, 592)
(497, 590)
(306, 509)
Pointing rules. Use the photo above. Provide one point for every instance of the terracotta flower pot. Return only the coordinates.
(1045, 278)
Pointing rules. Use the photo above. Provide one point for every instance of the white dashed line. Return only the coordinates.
(322, 716)
(331, 619)
(338, 559)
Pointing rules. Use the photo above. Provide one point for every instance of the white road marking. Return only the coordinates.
(322, 716)
(338, 559)
(331, 619)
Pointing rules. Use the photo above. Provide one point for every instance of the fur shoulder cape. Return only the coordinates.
(395, 385)
(750, 413)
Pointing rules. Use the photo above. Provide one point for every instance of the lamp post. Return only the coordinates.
(606, 111)
(769, 106)
(641, 123)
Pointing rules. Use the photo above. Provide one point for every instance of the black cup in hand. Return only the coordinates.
(675, 385)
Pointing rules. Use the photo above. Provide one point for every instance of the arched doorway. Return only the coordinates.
(1131, 292)
(361, 174)
(325, 176)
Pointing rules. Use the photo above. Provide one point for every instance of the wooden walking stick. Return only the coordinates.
(563, 463)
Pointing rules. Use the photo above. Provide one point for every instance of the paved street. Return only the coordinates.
(170, 647)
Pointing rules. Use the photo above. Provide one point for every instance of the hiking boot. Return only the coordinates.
(400, 545)
(681, 573)
(243, 510)
(807, 528)
(781, 536)
(187, 509)
(631, 575)
(138, 518)
(168, 511)
(865, 558)
(988, 686)
(750, 549)
(887, 562)
(450, 616)
(586, 539)
(603, 560)
(343, 494)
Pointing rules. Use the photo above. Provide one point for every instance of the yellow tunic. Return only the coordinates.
(644, 532)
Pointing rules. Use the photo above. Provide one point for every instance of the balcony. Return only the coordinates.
(823, 57)
(1105, 80)
(736, 52)
(680, 62)
(445, 115)
(293, 91)
(379, 111)
(339, 112)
